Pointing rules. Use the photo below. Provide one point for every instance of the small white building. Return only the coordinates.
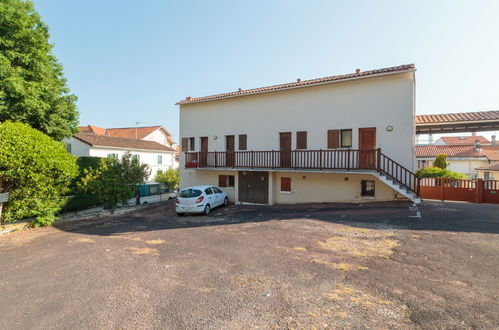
(157, 156)
(347, 138)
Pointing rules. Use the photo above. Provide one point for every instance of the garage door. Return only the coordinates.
(254, 187)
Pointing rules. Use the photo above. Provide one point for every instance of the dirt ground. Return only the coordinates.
(301, 266)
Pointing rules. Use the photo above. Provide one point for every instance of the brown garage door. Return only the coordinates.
(254, 187)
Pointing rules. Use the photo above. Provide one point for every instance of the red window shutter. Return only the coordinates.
(333, 139)
(301, 140)
(185, 144)
(285, 184)
(222, 180)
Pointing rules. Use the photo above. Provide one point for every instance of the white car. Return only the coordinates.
(200, 199)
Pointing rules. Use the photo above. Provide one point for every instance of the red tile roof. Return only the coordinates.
(450, 151)
(93, 129)
(119, 142)
(492, 152)
(464, 140)
(301, 83)
(457, 117)
(132, 132)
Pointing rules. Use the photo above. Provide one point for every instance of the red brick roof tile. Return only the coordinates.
(301, 83)
(464, 140)
(450, 151)
(119, 142)
(457, 117)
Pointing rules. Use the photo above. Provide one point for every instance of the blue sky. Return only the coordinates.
(129, 61)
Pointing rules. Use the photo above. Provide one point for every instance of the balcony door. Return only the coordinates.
(203, 159)
(285, 149)
(367, 144)
(229, 148)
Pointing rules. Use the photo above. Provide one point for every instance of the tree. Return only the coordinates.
(170, 177)
(33, 89)
(35, 170)
(115, 180)
(441, 161)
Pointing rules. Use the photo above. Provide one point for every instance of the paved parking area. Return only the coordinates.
(301, 266)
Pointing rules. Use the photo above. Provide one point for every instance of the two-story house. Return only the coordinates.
(347, 138)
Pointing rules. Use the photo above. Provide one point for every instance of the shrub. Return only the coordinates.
(437, 172)
(114, 180)
(36, 170)
(441, 161)
(170, 177)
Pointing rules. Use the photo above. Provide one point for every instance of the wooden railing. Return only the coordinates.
(349, 159)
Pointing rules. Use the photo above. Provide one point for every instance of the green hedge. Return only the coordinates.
(437, 172)
(80, 202)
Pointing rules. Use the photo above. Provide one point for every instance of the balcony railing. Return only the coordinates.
(349, 159)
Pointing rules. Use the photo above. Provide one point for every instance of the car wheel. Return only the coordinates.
(180, 214)
(226, 202)
(206, 209)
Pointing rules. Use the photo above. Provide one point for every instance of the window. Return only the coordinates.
(189, 193)
(68, 147)
(367, 188)
(216, 190)
(136, 157)
(112, 156)
(333, 139)
(208, 191)
(301, 140)
(243, 142)
(160, 159)
(226, 181)
(346, 138)
(286, 184)
(192, 144)
(185, 144)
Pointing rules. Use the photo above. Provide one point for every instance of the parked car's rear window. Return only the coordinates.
(189, 193)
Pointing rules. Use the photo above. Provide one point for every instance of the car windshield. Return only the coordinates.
(189, 193)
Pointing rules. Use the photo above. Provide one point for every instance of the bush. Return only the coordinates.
(441, 161)
(437, 172)
(80, 202)
(36, 170)
(169, 177)
(114, 180)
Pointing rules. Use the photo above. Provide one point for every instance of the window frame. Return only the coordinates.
(160, 159)
(192, 144)
(341, 138)
(224, 180)
(364, 192)
(245, 144)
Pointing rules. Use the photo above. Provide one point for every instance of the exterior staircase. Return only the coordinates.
(400, 188)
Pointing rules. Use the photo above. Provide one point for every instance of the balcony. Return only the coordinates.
(346, 160)
(292, 159)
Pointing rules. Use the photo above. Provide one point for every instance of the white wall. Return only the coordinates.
(371, 102)
(78, 148)
(462, 165)
(157, 136)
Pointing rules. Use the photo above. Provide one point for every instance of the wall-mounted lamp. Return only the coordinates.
(389, 128)
(215, 137)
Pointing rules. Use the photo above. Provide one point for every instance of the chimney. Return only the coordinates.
(239, 89)
(478, 146)
(298, 80)
(473, 133)
(493, 140)
(188, 98)
(357, 70)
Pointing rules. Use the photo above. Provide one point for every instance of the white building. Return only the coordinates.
(347, 138)
(147, 133)
(157, 156)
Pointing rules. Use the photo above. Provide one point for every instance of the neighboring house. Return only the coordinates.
(460, 158)
(306, 141)
(461, 140)
(490, 172)
(147, 133)
(157, 156)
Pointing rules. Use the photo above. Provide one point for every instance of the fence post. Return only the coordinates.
(216, 158)
(479, 191)
(442, 188)
(378, 159)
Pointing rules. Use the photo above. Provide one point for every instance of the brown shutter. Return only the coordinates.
(243, 142)
(301, 140)
(185, 144)
(333, 139)
(222, 180)
(285, 184)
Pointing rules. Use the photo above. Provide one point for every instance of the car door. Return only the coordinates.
(211, 197)
(219, 195)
